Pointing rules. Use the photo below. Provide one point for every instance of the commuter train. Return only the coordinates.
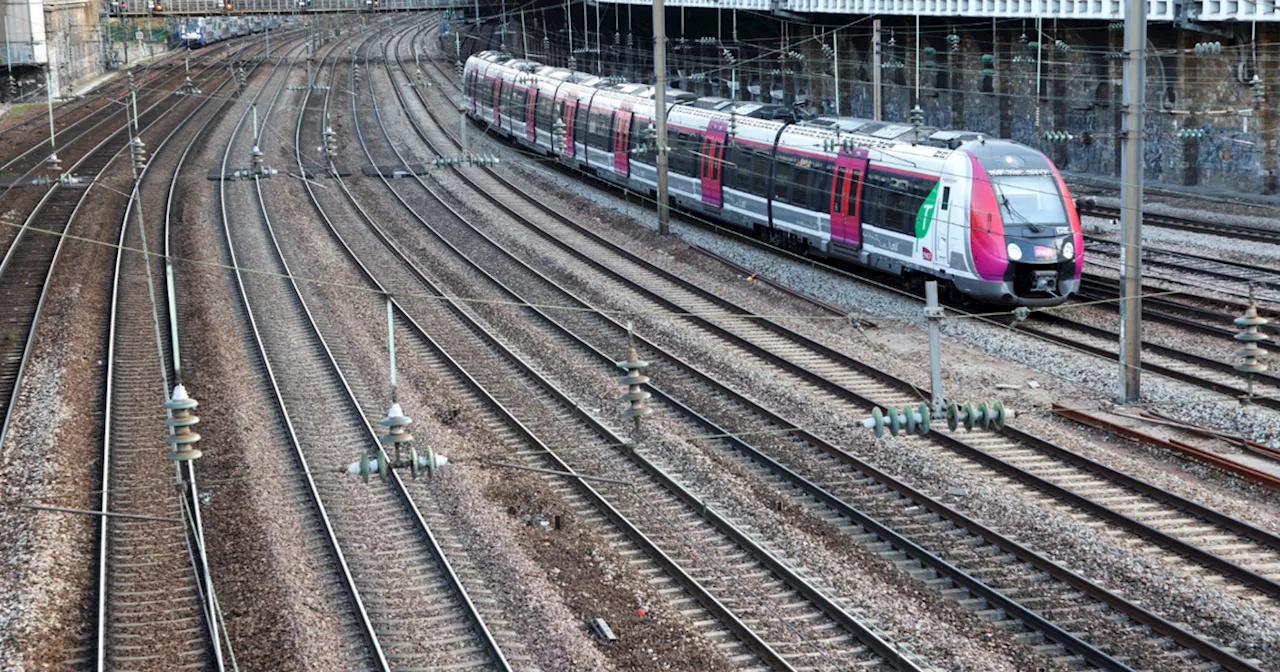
(204, 30)
(991, 219)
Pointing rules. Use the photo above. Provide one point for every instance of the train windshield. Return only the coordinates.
(1029, 199)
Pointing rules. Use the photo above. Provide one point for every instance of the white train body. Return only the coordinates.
(990, 217)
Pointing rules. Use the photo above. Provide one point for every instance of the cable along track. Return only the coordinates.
(674, 530)
(1021, 449)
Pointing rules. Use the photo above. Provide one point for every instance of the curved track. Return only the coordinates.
(156, 604)
(1012, 455)
(690, 538)
(395, 571)
(33, 252)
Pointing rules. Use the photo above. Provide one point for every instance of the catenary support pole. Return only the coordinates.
(1039, 67)
(916, 44)
(462, 119)
(1135, 42)
(835, 51)
(933, 313)
(48, 97)
(875, 68)
(660, 111)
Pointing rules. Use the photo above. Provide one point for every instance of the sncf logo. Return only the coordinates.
(926, 254)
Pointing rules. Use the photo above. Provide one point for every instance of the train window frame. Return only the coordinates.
(580, 123)
(685, 158)
(600, 129)
(803, 182)
(946, 198)
(640, 140)
(545, 112)
(892, 201)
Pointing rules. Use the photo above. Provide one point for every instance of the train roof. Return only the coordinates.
(880, 135)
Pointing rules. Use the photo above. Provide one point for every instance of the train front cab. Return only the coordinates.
(1025, 238)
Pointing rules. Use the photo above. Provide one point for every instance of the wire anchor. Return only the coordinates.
(180, 421)
(1251, 353)
(635, 396)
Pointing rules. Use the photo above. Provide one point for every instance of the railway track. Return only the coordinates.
(689, 539)
(33, 252)
(717, 430)
(1230, 279)
(1184, 310)
(34, 155)
(411, 612)
(156, 603)
(1024, 456)
(1238, 231)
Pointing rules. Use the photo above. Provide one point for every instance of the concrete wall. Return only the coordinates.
(74, 43)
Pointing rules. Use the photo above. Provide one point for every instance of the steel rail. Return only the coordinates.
(9, 394)
(185, 471)
(450, 575)
(725, 527)
(348, 579)
(1020, 474)
(1231, 389)
(1265, 278)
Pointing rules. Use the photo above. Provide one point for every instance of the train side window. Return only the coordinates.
(820, 185)
(546, 111)
(784, 180)
(640, 140)
(686, 154)
(946, 198)
(761, 164)
(519, 103)
(580, 122)
(729, 166)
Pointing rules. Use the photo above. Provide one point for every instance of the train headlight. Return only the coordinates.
(1015, 252)
(1068, 250)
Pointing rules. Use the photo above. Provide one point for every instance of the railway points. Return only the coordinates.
(464, 402)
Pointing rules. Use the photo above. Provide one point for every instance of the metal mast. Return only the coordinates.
(1135, 94)
(660, 111)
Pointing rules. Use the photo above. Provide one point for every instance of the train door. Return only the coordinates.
(568, 111)
(621, 140)
(846, 184)
(497, 102)
(713, 162)
(530, 110)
